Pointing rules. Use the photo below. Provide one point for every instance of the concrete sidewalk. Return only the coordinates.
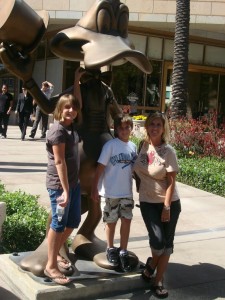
(196, 269)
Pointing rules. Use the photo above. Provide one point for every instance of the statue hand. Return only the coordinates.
(17, 64)
(79, 72)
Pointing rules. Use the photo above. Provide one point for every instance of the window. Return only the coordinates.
(127, 79)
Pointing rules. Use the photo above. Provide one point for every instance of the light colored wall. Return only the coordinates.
(154, 13)
(140, 7)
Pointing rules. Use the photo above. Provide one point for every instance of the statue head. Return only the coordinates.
(100, 38)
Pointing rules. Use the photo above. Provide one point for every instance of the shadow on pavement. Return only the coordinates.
(202, 281)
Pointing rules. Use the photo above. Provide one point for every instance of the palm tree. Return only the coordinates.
(180, 63)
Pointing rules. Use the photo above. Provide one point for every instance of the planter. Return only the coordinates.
(138, 128)
(140, 123)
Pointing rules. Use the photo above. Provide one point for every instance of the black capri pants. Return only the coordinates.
(161, 234)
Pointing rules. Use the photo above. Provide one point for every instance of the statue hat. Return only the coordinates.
(21, 25)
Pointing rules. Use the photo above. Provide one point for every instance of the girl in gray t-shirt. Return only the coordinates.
(62, 183)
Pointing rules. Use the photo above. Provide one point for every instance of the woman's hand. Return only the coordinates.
(165, 217)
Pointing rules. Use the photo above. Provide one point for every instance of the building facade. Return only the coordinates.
(151, 29)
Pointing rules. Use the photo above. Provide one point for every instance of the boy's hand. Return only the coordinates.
(95, 195)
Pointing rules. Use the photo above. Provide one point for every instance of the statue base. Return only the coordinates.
(88, 281)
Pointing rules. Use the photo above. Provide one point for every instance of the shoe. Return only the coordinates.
(60, 279)
(150, 272)
(160, 291)
(125, 262)
(112, 256)
(2, 137)
(31, 136)
(43, 136)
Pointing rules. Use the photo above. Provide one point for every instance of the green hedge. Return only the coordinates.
(203, 173)
(25, 225)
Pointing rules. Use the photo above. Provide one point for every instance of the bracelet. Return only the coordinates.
(166, 207)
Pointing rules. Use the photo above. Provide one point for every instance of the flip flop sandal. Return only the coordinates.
(149, 270)
(59, 279)
(63, 263)
(160, 291)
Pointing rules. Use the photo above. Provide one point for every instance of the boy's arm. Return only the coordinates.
(98, 173)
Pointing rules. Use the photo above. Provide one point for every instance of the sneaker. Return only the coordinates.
(125, 262)
(112, 256)
(43, 136)
(31, 136)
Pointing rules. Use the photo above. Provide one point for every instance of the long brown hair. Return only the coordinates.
(64, 100)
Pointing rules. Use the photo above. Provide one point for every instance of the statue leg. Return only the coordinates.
(37, 260)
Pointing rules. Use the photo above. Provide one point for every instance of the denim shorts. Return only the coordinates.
(116, 208)
(72, 213)
(161, 234)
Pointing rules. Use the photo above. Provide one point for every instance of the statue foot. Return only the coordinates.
(94, 249)
(37, 260)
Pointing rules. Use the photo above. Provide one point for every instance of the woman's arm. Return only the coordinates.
(171, 179)
(60, 163)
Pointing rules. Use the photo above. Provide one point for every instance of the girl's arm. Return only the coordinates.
(171, 179)
(60, 163)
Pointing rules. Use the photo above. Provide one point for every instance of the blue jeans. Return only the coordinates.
(161, 234)
(72, 214)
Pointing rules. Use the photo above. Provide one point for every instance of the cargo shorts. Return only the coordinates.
(116, 208)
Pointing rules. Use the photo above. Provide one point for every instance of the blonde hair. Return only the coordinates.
(64, 100)
(166, 130)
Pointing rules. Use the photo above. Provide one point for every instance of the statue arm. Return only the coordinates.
(77, 92)
(46, 105)
(22, 67)
(114, 108)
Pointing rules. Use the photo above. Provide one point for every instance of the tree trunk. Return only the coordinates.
(180, 63)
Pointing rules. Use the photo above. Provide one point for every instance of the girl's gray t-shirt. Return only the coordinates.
(58, 134)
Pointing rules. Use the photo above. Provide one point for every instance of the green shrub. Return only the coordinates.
(203, 173)
(25, 225)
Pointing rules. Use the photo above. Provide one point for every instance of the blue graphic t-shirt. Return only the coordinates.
(118, 158)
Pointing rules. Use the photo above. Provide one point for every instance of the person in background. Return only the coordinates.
(156, 167)
(62, 182)
(25, 108)
(47, 88)
(113, 181)
(6, 104)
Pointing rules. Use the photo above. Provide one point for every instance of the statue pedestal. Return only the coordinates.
(89, 281)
